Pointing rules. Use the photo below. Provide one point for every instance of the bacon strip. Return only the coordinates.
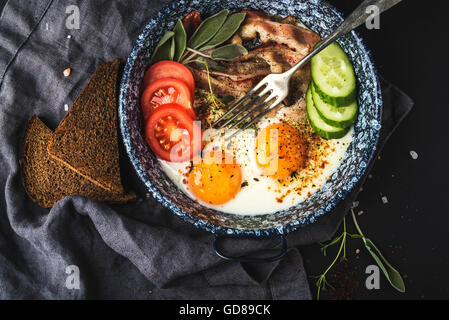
(296, 38)
(284, 44)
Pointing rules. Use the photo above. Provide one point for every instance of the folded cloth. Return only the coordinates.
(134, 251)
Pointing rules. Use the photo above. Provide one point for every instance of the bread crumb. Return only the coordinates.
(67, 72)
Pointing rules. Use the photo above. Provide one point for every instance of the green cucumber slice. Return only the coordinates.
(334, 76)
(340, 117)
(322, 128)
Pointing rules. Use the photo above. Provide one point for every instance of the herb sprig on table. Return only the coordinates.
(207, 40)
(392, 275)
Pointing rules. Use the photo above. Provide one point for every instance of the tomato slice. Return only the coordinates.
(169, 69)
(172, 133)
(164, 91)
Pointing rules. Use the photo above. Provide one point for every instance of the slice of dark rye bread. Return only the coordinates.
(47, 181)
(87, 140)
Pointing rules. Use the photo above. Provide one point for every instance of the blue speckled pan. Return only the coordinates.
(320, 18)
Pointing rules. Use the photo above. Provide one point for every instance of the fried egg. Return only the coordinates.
(263, 170)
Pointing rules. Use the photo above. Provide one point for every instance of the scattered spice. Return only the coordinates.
(345, 282)
(414, 155)
(384, 200)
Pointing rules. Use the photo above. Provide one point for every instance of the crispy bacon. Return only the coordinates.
(284, 43)
(295, 37)
(223, 86)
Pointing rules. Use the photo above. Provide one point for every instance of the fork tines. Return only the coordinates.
(247, 111)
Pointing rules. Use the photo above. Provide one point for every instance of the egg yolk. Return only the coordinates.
(280, 151)
(214, 182)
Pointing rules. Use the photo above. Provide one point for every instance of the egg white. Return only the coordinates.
(262, 194)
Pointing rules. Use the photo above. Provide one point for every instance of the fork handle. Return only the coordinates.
(357, 18)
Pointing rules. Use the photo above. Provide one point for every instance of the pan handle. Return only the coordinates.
(251, 260)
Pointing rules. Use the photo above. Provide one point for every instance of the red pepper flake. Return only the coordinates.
(281, 198)
(323, 164)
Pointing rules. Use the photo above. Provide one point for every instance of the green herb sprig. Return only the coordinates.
(205, 42)
(392, 275)
(322, 283)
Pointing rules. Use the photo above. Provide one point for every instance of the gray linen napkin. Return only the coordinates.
(136, 251)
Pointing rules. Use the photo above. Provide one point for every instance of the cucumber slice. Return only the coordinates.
(322, 128)
(334, 76)
(340, 117)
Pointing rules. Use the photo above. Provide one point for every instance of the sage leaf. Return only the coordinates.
(228, 52)
(393, 276)
(163, 48)
(207, 29)
(171, 53)
(180, 40)
(231, 25)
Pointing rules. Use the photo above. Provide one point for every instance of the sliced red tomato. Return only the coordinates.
(172, 133)
(169, 69)
(164, 91)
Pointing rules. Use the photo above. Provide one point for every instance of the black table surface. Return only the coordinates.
(408, 50)
(411, 228)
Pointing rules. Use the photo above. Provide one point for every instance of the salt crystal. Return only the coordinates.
(69, 36)
(357, 251)
(384, 200)
(66, 107)
(414, 155)
(360, 213)
(355, 204)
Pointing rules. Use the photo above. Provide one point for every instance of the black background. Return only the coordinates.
(412, 228)
(410, 51)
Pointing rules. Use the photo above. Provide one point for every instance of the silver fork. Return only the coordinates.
(273, 89)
